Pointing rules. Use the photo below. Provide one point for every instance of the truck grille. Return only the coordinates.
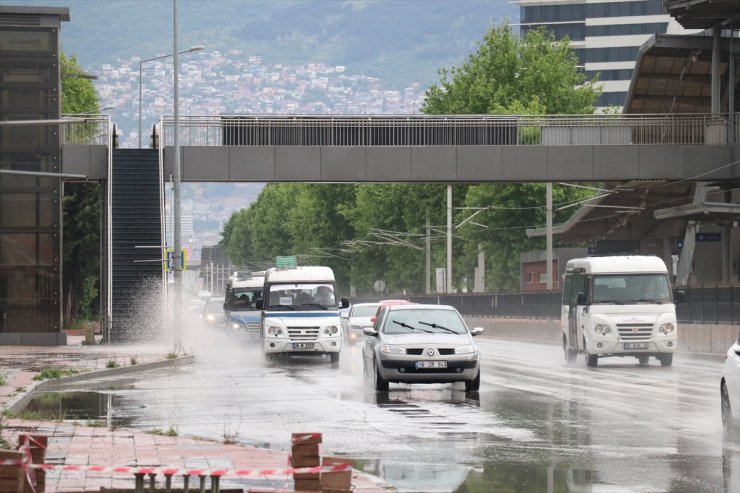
(303, 333)
(635, 332)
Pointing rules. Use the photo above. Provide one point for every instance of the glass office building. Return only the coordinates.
(30, 204)
(606, 35)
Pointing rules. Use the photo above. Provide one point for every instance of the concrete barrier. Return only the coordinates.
(692, 338)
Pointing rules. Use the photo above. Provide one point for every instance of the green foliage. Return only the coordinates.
(112, 364)
(3, 379)
(512, 75)
(89, 293)
(4, 443)
(51, 373)
(82, 204)
(78, 93)
(171, 355)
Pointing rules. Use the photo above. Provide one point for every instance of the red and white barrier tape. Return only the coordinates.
(305, 437)
(170, 471)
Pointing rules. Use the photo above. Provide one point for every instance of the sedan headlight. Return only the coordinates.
(274, 331)
(388, 349)
(210, 317)
(235, 326)
(667, 328)
(601, 329)
(332, 330)
(469, 349)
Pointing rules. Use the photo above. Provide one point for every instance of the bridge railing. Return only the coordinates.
(472, 130)
(88, 129)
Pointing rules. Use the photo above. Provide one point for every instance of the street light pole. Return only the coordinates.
(177, 329)
(141, 62)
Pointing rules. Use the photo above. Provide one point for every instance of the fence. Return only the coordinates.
(702, 305)
(433, 130)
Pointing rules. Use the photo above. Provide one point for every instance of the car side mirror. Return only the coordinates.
(370, 332)
(581, 299)
(476, 331)
(345, 303)
(259, 304)
(680, 296)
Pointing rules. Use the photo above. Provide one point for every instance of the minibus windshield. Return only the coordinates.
(630, 288)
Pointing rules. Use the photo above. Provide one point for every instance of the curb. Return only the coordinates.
(19, 402)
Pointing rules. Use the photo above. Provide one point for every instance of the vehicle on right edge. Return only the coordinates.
(730, 387)
(619, 306)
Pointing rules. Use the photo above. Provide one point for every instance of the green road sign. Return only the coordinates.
(286, 262)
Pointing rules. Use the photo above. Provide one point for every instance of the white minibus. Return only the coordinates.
(618, 306)
(300, 315)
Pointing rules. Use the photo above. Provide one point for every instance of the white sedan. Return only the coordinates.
(730, 387)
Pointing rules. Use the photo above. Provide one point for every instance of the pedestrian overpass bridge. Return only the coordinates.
(456, 148)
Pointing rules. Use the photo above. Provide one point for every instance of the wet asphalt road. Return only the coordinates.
(537, 425)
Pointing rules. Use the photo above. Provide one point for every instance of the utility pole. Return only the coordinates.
(176, 194)
(428, 249)
(549, 236)
(449, 239)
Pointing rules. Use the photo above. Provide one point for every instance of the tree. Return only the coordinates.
(82, 204)
(534, 74)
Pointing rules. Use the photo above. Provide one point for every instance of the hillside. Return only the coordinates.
(400, 41)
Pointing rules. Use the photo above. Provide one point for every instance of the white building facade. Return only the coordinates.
(606, 35)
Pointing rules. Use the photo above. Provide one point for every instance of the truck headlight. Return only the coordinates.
(332, 330)
(274, 331)
(388, 349)
(601, 329)
(469, 349)
(667, 328)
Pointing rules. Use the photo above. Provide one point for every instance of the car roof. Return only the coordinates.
(418, 306)
(395, 302)
(365, 304)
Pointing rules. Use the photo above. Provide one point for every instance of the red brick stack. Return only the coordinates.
(305, 453)
(336, 482)
(13, 478)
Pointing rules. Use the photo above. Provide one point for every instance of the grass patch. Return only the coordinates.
(4, 444)
(133, 361)
(112, 364)
(50, 373)
(169, 432)
(3, 379)
(171, 355)
(18, 390)
(25, 414)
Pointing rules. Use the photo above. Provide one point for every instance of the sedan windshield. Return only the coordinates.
(424, 321)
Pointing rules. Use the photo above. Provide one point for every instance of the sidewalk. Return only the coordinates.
(74, 444)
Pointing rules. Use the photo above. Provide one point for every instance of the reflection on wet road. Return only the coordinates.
(537, 424)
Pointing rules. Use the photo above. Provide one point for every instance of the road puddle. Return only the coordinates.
(94, 408)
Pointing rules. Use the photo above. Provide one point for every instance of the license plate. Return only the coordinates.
(303, 345)
(635, 345)
(431, 364)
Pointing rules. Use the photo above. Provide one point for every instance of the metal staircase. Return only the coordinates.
(136, 236)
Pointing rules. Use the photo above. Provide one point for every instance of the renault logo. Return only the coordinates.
(430, 352)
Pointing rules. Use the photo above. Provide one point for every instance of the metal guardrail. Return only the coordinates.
(87, 129)
(473, 130)
(703, 305)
